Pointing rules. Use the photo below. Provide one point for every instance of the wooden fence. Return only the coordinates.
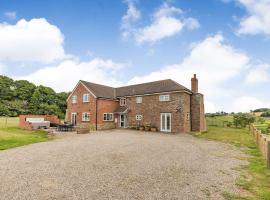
(263, 142)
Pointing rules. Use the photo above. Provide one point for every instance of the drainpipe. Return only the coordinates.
(96, 113)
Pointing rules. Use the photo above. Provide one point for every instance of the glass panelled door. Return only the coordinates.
(122, 121)
(165, 122)
(74, 118)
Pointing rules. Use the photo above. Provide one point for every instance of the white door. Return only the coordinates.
(122, 121)
(74, 118)
(165, 122)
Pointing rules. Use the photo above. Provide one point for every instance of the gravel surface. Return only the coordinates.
(120, 164)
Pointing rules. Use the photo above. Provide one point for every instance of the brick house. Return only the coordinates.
(165, 104)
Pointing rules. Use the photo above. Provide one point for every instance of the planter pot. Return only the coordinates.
(154, 129)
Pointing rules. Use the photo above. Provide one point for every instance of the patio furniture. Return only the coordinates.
(65, 127)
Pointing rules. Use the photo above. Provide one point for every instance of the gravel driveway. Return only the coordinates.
(120, 164)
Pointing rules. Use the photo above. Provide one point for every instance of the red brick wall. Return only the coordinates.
(104, 106)
(26, 125)
(81, 107)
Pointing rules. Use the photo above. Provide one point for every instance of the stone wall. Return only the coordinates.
(151, 108)
(263, 142)
(198, 121)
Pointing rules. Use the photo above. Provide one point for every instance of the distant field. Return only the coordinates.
(219, 121)
(263, 126)
(12, 136)
(9, 122)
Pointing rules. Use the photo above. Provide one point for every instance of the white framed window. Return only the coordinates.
(86, 98)
(107, 116)
(164, 97)
(74, 99)
(138, 99)
(122, 102)
(138, 117)
(85, 116)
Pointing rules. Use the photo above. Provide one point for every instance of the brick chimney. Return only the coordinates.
(194, 84)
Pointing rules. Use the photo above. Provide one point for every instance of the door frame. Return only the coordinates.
(74, 114)
(166, 125)
(125, 120)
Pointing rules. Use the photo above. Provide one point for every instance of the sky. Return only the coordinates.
(119, 42)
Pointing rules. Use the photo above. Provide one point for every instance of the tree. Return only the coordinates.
(24, 89)
(3, 110)
(6, 88)
(243, 119)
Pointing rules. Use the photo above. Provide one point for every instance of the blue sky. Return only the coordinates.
(225, 42)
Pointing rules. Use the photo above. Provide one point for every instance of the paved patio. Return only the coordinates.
(120, 164)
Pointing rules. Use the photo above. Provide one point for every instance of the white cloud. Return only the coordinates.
(215, 63)
(258, 74)
(31, 41)
(65, 75)
(132, 15)
(164, 24)
(247, 103)
(258, 19)
(11, 15)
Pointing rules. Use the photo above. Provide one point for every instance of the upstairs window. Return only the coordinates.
(107, 116)
(74, 99)
(85, 117)
(86, 98)
(138, 99)
(122, 102)
(164, 97)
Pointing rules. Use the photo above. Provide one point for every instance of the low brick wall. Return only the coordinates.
(27, 126)
(263, 142)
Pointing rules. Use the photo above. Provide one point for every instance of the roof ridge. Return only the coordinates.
(97, 84)
(144, 83)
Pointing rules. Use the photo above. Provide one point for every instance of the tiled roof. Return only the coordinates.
(103, 91)
(121, 109)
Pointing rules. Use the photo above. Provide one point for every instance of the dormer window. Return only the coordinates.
(74, 99)
(122, 102)
(86, 98)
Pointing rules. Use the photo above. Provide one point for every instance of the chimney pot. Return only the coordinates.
(194, 84)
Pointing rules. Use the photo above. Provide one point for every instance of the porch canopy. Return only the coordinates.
(121, 110)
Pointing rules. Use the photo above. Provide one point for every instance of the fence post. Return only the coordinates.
(268, 155)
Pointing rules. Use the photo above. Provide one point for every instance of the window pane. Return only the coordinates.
(163, 122)
(168, 122)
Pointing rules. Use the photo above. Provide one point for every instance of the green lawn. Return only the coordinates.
(12, 136)
(255, 178)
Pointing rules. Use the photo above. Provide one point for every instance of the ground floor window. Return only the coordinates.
(85, 117)
(138, 117)
(107, 116)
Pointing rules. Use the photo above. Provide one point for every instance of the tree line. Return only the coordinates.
(23, 97)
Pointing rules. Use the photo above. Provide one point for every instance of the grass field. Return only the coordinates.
(255, 178)
(263, 126)
(9, 122)
(12, 136)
